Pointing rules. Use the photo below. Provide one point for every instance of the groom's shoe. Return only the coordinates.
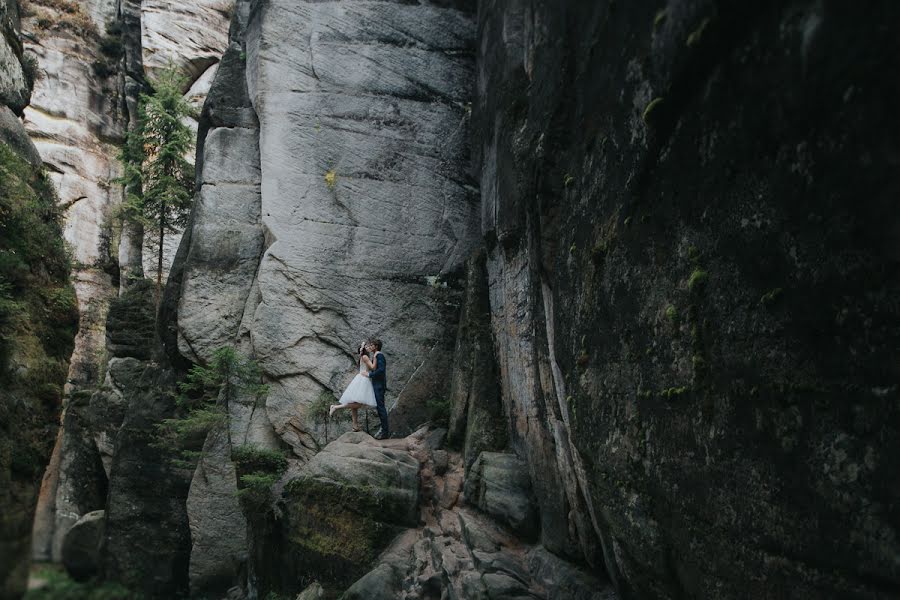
(381, 436)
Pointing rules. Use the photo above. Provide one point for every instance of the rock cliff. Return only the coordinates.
(38, 312)
(692, 263)
(635, 263)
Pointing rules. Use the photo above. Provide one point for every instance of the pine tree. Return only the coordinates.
(159, 181)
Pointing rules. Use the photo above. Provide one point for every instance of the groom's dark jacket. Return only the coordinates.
(378, 375)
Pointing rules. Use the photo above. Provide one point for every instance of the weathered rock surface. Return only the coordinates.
(346, 505)
(190, 36)
(477, 420)
(81, 546)
(460, 553)
(692, 259)
(365, 205)
(38, 318)
(218, 528)
(499, 484)
(148, 541)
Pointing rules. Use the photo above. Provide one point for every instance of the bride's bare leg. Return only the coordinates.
(353, 414)
(335, 407)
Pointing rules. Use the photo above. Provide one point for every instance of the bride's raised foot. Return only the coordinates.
(333, 408)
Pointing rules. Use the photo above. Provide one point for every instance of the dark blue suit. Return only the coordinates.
(378, 375)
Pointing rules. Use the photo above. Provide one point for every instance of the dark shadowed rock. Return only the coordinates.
(499, 485)
(349, 501)
(81, 546)
(693, 266)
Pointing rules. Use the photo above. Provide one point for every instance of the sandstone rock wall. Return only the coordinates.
(691, 262)
(91, 64)
(38, 313)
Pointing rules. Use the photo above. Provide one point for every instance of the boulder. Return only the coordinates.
(313, 592)
(499, 485)
(345, 507)
(81, 546)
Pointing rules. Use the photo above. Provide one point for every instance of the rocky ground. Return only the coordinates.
(445, 536)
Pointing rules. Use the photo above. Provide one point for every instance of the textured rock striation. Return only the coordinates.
(691, 259)
(91, 60)
(365, 204)
(38, 315)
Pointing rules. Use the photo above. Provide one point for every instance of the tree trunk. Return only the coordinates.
(159, 258)
(131, 245)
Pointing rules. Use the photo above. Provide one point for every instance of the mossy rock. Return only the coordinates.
(348, 504)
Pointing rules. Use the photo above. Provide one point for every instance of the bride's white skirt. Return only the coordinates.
(360, 391)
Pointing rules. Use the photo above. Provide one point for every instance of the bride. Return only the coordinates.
(359, 393)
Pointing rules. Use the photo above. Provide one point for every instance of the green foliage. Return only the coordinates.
(34, 266)
(203, 401)
(697, 280)
(31, 69)
(159, 181)
(258, 470)
(60, 587)
(439, 411)
(253, 459)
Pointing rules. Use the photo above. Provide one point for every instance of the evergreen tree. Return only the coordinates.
(159, 181)
(205, 394)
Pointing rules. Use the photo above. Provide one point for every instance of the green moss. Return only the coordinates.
(697, 35)
(771, 297)
(693, 253)
(59, 587)
(627, 221)
(697, 280)
(672, 314)
(660, 18)
(599, 251)
(35, 296)
(567, 180)
(674, 392)
(650, 109)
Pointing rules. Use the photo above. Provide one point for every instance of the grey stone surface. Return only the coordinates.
(13, 134)
(218, 527)
(499, 484)
(81, 546)
(382, 109)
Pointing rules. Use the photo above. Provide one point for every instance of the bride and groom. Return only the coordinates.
(367, 388)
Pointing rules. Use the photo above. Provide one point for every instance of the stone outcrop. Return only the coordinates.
(689, 249)
(90, 62)
(365, 204)
(38, 314)
(460, 552)
(81, 548)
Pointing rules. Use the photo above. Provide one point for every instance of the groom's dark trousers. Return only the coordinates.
(379, 382)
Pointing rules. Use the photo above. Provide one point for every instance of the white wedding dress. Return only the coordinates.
(360, 389)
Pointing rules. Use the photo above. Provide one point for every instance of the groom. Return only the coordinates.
(378, 375)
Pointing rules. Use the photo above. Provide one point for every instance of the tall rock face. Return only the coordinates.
(38, 314)
(693, 264)
(90, 60)
(357, 215)
(75, 119)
